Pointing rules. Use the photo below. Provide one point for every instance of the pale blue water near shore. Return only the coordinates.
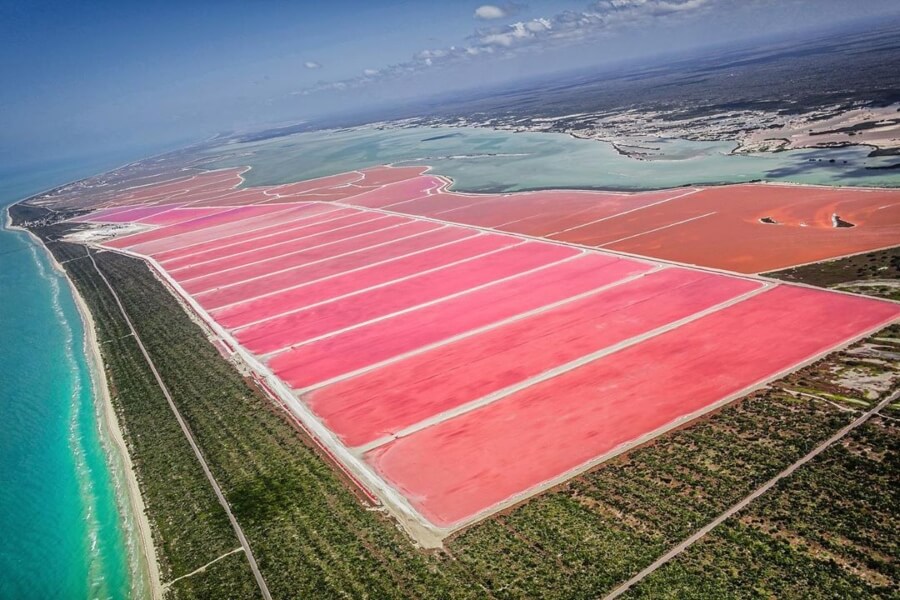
(66, 531)
(484, 160)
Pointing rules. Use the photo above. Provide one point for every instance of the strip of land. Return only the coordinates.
(188, 436)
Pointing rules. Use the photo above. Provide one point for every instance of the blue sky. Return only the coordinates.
(86, 77)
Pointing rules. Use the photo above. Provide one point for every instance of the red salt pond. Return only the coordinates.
(468, 368)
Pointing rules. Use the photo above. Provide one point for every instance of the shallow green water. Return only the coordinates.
(65, 531)
(487, 160)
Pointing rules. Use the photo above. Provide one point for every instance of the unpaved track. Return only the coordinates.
(190, 438)
(699, 534)
(204, 567)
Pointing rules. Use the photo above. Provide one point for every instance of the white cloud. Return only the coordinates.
(439, 53)
(515, 33)
(489, 11)
(537, 25)
(311, 64)
(600, 18)
(649, 7)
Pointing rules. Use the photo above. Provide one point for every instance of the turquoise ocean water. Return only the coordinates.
(66, 531)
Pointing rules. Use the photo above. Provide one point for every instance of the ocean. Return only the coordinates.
(63, 511)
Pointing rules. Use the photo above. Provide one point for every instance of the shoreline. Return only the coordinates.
(147, 564)
(147, 560)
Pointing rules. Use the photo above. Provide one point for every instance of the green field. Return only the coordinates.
(315, 538)
(833, 530)
(872, 273)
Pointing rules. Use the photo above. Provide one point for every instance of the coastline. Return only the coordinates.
(147, 560)
(147, 565)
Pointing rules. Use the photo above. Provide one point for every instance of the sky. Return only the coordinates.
(86, 78)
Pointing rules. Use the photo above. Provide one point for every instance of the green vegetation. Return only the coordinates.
(189, 526)
(832, 530)
(22, 215)
(873, 274)
(315, 538)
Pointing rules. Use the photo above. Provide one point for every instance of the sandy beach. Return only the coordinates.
(147, 578)
(147, 558)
